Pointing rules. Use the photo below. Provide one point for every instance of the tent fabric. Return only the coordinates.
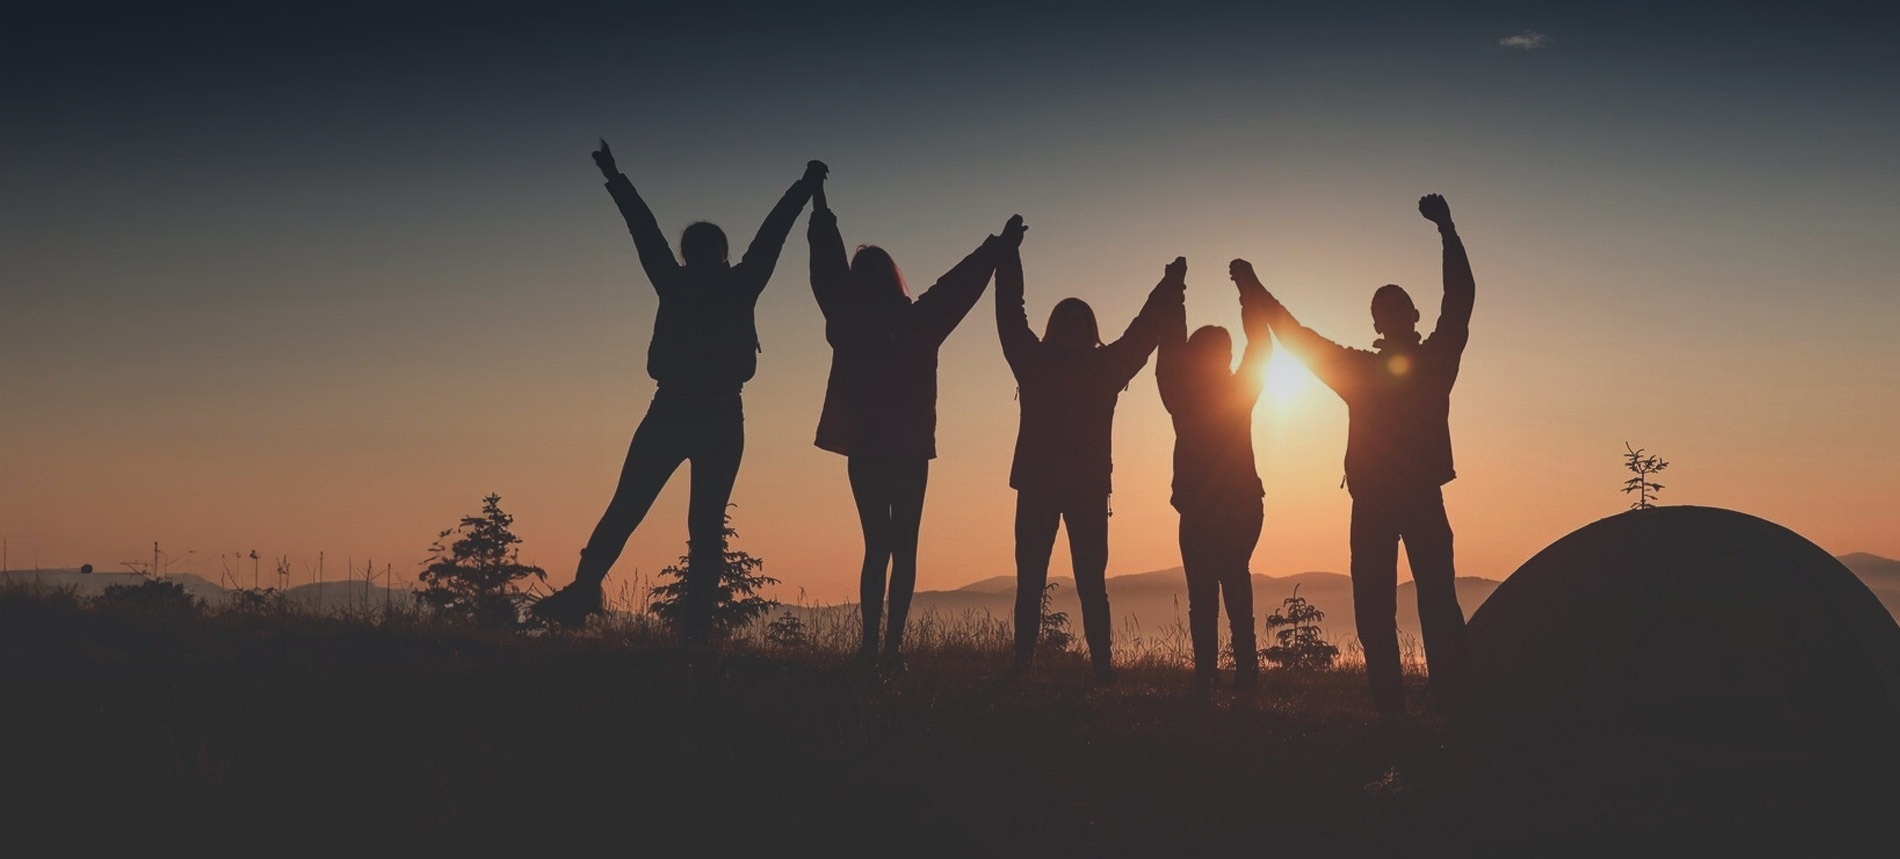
(1688, 617)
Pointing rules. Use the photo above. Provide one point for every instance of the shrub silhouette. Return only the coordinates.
(259, 601)
(787, 632)
(475, 577)
(736, 599)
(1053, 633)
(1295, 627)
(152, 596)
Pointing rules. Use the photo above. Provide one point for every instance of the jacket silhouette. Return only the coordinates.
(1398, 455)
(1067, 390)
(881, 393)
(1217, 487)
(705, 341)
(704, 349)
(880, 407)
(1068, 383)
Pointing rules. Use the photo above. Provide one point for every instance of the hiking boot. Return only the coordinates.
(569, 606)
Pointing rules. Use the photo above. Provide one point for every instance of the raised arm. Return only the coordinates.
(1129, 353)
(1254, 302)
(1012, 321)
(1454, 314)
(942, 307)
(829, 269)
(1171, 342)
(656, 256)
(762, 255)
(1328, 360)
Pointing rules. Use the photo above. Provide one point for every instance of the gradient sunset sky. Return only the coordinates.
(309, 277)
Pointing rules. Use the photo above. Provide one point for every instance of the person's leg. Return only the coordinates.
(908, 479)
(1203, 590)
(1375, 576)
(657, 449)
(871, 489)
(1427, 533)
(719, 445)
(1242, 533)
(1086, 517)
(1036, 519)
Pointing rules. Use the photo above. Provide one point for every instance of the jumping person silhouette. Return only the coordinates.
(703, 351)
(1217, 486)
(880, 407)
(1398, 456)
(1068, 383)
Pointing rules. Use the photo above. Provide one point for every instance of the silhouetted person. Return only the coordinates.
(703, 351)
(1398, 455)
(881, 398)
(1216, 484)
(1067, 383)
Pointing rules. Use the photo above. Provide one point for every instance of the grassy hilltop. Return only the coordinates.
(238, 728)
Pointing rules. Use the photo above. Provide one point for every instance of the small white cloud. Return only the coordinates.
(1529, 40)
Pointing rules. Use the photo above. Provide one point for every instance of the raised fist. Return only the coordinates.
(815, 171)
(1241, 272)
(1176, 270)
(1013, 231)
(1434, 208)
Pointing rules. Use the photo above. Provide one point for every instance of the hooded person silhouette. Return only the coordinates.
(1217, 487)
(880, 407)
(704, 349)
(1068, 383)
(1398, 456)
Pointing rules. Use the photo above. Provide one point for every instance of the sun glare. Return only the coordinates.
(1286, 377)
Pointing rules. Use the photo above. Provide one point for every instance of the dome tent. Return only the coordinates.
(1676, 660)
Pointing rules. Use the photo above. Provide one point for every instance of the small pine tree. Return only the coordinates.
(1297, 639)
(787, 632)
(1053, 632)
(475, 577)
(736, 599)
(1644, 466)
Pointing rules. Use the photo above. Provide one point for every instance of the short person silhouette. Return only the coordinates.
(1217, 486)
(704, 349)
(1068, 383)
(880, 407)
(1398, 456)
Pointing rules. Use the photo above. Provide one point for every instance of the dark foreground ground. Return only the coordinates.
(266, 734)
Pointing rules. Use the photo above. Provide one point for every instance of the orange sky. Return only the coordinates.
(334, 320)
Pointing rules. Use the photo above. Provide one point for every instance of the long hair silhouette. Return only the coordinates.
(881, 401)
(1068, 383)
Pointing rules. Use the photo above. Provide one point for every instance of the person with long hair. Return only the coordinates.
(704, 349)
(880, 408)
(1217, 487)
(1068, 383)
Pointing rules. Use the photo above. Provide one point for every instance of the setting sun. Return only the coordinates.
(1286, 377)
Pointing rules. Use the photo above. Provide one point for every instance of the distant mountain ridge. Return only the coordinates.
(1881, 575)
(313, 595)
(1157, 599)
(1153, 605)
(1153, 602)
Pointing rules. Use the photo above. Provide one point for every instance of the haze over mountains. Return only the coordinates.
(1149, 606)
